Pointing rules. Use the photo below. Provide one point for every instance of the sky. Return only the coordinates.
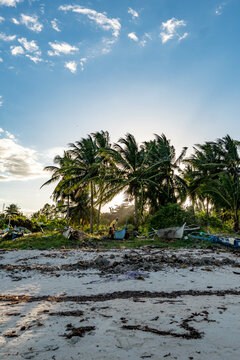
(69, 68)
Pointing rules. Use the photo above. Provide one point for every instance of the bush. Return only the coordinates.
(21, 221)
(171, 215)
(214, 223)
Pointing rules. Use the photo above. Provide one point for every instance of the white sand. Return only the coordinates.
(221, 336)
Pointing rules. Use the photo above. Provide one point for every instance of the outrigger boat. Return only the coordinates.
(219, 239)
(170, 233)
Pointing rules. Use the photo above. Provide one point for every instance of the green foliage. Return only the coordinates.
(171, 215)
(213, 223)
(22, 221)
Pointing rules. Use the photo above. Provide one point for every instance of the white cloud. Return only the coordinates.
(5, 37)
(9, 2)
(17, 162)
(15, 21)
(55, 25)
(1, 60)
(133, 36)
(1, 104)
(17, 50)
(31, 22)
(134, 13)
(35, 59)
(169, 30)
(82, 63)
(1, 130)
(9, 135)
(100, 19)
(72, 66)
(61, 48)
(1, 19)
(30, 46)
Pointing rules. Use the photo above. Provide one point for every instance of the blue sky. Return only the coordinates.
(69, 68)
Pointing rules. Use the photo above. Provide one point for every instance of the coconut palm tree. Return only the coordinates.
(12, 209)
(167, 185)
(131, 172)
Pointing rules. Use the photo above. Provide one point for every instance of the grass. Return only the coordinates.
(55, 240)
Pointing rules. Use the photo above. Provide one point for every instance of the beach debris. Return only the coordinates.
(124, 295)
(11, 334)
(66, 313)
(80, 331)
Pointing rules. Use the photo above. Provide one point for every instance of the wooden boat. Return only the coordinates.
(170, 233)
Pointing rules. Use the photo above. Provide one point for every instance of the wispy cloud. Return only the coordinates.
(36, 59)
(17, 162)
(220, 8)
(133, 37)
(61, 48)
(17, 50)
(31, 22)
(1, 104)
(5, 37)
(146, 37)
(9, 2)
(1, 60)
(72, 66)
(55, 26)
(100, 19)
(1, 19)
(133, 13)
(169, 30)
(82, 63)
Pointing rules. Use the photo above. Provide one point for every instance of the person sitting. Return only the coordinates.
(113, 228)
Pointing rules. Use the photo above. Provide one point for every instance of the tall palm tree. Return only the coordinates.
(168, 186)
(131, 172)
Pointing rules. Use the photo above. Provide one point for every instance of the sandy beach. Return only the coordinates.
(122, 304)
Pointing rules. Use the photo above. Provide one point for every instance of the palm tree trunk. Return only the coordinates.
(91, 215)
(68, 211)
(236, 220)
(98, 216)
(136, 212)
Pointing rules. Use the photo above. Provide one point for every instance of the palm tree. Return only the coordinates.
(131, 172)
(212, 174)
(84, 171)
(225, 191)
(167, 185)
(59, 174)
(12, 209)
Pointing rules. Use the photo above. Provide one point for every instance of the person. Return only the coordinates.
(113, 228)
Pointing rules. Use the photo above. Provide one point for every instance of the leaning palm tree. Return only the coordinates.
(59, 175)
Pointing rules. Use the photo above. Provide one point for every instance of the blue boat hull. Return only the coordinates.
(233, 242)
(120, 235)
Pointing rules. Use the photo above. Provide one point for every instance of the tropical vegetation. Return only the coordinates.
(92, 171)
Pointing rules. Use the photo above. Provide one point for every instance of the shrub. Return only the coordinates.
(171, 215)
